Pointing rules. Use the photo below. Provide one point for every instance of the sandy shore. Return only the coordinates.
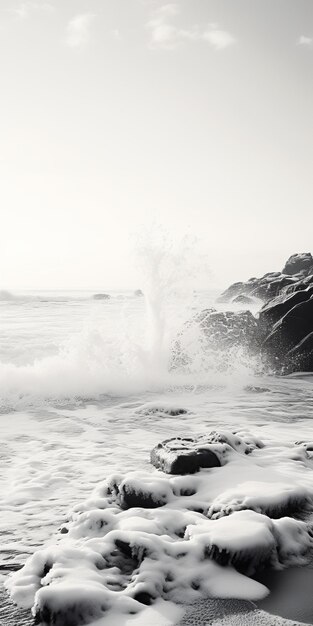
(232, 613)
(210, 612)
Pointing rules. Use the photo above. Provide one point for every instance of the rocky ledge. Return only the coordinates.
(281, 333)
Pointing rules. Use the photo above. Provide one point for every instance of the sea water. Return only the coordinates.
(75, 373)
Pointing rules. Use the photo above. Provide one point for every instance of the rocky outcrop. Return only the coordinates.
(181, 455)
(283, 328)
(220, 333)
(275, 309)
(299, 285)
(299, 263)
(225, 329)
(241, 299)
(264, 288)
(288, 343)
(296, 274)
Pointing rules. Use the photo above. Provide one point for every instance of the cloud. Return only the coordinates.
(305, 41)
(165, 34)
(117, 34)
(218, 39)
(78, 30)
(24, 9)
(168, 10)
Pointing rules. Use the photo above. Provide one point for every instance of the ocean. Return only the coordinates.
(88, 387)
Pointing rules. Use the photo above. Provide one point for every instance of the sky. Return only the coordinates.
(119, 115)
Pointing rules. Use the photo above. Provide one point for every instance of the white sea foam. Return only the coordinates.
(111, 559)
(69, 345)
(61, 432)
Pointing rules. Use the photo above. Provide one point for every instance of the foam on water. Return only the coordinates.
(68, 345)
(88, 388)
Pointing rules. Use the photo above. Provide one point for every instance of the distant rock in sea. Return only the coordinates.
(138, 293)
(101, 296)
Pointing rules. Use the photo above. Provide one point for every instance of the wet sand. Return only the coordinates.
(213, 612)
(10, 615)
(291, 593)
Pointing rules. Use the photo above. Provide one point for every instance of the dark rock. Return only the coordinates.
(220, 333)
(226, 329)
(130, 498)
(267, 289)
(288, 332)
(275, 309)
(144, 597)
(242, 299)
(297, 269)
(129, 494)
(78, 613)
(284, 325)
(162, 410)
(264, 288)
(299, 285)
(182, 456)
(300, 358)
(231, 292)
(138, 293)
(188, 455)
(298, 263)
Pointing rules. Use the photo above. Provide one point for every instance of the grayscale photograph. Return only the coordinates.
(156, 313)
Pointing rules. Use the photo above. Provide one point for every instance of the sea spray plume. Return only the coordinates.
(6, 296)
(127, 346)
(172, 271)
(122, 348)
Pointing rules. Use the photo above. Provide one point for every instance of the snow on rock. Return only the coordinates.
(149, 537)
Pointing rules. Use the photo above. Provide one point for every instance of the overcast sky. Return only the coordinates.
(196, 115)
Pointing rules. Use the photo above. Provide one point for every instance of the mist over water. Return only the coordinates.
(69, 345)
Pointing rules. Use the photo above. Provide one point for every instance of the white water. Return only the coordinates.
(74, 375)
